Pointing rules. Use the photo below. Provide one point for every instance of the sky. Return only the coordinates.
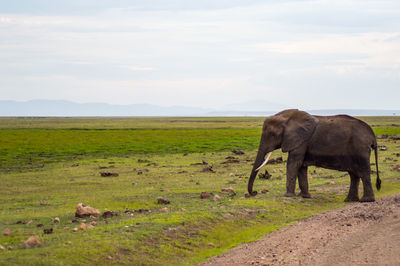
(211, 53)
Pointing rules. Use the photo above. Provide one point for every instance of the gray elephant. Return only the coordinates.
(337, 142)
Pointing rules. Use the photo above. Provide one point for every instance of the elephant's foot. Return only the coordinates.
(289, 194)
(367, 199)
(304, 195)
(351, 198)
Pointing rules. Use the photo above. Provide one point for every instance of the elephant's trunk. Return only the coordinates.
(259, 160)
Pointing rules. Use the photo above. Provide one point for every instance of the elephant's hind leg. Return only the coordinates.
(303, 182)
(368, 191)
(353, 191)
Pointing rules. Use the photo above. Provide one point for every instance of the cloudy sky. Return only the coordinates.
(209, 53)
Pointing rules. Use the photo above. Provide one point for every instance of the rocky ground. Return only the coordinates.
(359, 234)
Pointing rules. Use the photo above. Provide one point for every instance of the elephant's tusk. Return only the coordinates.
(265, 162)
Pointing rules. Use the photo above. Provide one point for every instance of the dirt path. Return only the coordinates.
(359, 234)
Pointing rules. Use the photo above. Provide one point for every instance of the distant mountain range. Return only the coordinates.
(68, 108)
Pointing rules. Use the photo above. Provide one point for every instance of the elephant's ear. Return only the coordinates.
(299, 128)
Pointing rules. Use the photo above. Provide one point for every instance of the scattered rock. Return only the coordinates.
(32, 242)
(383, 136)
(231, 161)
(382, 148)
(1, 247)
(162, 201)
(48, 231)
(238, 152)
(10, 248)
(107, 174)
(75, 229)
(165, 209)
(278, 160)
(264, 191)
(205, 195)
(228, 191)
(247, 195)
(83, 211)
(83, 226)
(43, 202)
(202, 163)
(266, 175)
(6, 231)
(217, 197)
(93, 223)
(208, 169)
(108, 214)
(396, 167)
(29, 222)
(395, 137)
(56, 220)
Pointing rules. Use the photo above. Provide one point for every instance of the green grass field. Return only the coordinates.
(58, 161)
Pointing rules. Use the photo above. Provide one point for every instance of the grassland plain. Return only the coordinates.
(58, 160)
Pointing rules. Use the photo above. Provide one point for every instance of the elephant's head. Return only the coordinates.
(287, 130)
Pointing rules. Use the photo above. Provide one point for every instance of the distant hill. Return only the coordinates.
(68, 108)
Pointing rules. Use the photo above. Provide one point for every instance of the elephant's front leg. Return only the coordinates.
(294, 162)
(353, 191)
(303, 182)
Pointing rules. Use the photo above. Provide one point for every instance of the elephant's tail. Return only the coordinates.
(378, 180)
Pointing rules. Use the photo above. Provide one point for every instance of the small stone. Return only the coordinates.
(162, 201)
(205, 195)
(48, 231)
(264, 191)
(229, 191)
(43, 202)
(247, 195)
(56, 220)
(29, 222)
(332, 182)
(211, 244)
(10, 248)
(217, 197)
(93, 223)
(183, 209)
(66, 228)
(164, 209)
(69, 243)
(32, 242)
(75, 229)
(109, 257)
(83, 226)
(108, 214)
(6, 232)
(1, 247)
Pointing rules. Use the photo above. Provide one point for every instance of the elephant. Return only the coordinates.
(338, 142)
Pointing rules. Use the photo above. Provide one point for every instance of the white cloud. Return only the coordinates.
(203, 56)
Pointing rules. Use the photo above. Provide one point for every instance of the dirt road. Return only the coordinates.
(359, 234)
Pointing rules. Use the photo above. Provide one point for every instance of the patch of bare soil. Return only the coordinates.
(358, 234)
